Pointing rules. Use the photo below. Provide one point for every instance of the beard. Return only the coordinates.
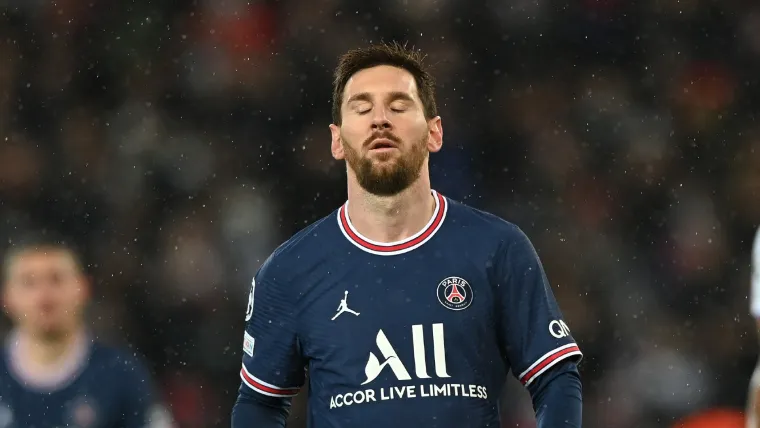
(385, 176)
(53, 334)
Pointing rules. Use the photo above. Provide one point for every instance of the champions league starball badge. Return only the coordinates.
(249, 308)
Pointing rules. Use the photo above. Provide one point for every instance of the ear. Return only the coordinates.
(9, 301)
(435, 136)
(85, 287)
(336, 146)
(4, 300)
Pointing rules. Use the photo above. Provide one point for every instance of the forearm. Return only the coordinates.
(753, 410)
(557, 398)
(251, 411)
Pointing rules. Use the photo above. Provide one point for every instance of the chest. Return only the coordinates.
(412, 314)
(85, 403)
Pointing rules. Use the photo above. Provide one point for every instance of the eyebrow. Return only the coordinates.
(392, 96)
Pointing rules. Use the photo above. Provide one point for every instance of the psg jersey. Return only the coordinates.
(417, 333)
(106, 389)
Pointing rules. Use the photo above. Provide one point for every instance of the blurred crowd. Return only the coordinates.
(180, 142)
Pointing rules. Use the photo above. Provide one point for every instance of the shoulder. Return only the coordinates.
(507, 245)
(4, 372)
(484, 225)
(300, 253)
(118, 361)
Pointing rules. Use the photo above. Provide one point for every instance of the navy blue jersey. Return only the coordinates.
(110, 389)
(417, 333)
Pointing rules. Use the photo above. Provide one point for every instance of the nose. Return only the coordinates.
(380, 120)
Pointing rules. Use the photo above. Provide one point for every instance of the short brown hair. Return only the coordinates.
(39, 242)
(393, 54)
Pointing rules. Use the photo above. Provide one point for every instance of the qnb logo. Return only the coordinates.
(559, 329)
(390, 358)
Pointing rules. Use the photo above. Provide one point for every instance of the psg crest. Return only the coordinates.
(455, 293)
(82, 413)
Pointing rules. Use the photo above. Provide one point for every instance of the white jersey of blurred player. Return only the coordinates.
(755, 278)
(754, 392)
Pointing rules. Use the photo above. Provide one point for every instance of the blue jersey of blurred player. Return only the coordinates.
(52, 373)
(407, 309)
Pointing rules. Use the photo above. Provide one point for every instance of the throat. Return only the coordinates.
(44, 364)
(392, 221)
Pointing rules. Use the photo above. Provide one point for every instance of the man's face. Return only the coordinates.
(45, 292)
(384, 136)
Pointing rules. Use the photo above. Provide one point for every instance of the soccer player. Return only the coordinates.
(436, 301)
(52, 373)
(753, 407)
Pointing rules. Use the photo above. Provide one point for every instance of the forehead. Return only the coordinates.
(32, 261)
(380, 80)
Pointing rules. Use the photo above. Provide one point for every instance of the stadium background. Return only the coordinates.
(180, 142)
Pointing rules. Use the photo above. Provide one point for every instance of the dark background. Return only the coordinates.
(180, 142)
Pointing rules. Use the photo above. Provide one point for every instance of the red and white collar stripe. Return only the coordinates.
(398, 247)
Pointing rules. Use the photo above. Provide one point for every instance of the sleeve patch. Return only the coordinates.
(248, 342)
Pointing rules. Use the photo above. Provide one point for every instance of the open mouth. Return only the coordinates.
(382, 144)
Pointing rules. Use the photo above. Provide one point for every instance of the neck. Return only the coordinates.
(46, 363)
(391, 218)
(41, 351)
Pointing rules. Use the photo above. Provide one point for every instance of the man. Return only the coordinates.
(753, 407)
(52, 373)
(448, 299)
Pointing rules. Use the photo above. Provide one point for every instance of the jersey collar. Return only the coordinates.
(398, 247)
(71, 368)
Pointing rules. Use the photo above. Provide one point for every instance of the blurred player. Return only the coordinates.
(444, 299)
(753, 407)
(52, 373)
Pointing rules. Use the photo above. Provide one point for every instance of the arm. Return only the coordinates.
(273, 368)
(252, 409)
(557, 397)
(535, 340)
(753, 407)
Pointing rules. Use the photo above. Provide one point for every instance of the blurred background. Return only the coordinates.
(181, 142)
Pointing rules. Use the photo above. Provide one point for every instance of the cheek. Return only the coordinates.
(351, 139)
(11, 304)
(73, 296)
(23, 307)
(413, 130)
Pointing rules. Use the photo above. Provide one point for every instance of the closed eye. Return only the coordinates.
(399, 106)
(362, 108)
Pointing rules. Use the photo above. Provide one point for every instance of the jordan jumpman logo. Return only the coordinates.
(343, 307)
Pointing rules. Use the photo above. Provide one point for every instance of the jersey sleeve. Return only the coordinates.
(534, 337)
(755, 278)
(272, 360)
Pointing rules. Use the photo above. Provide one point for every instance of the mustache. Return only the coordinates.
(384, 134)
